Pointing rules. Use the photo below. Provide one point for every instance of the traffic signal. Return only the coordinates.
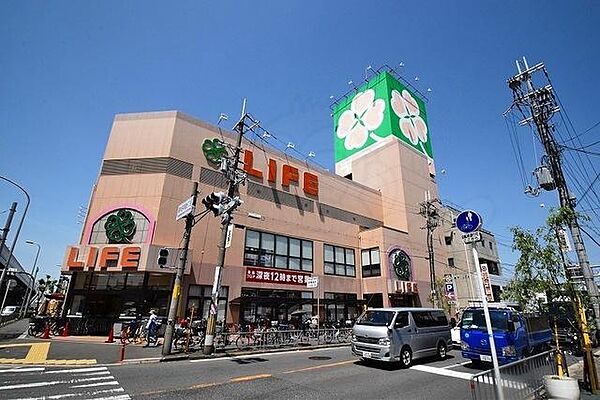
(163, 256)
(214, 202)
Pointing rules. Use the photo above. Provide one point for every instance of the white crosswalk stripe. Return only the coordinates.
(55, 384)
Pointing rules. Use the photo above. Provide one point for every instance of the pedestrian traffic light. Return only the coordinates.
(214, 202)
(163, 256)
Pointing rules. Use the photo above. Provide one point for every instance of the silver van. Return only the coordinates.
(401, 334)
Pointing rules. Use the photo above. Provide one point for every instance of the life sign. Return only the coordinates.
(468, 221)
(289, 174)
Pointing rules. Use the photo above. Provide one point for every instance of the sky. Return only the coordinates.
(66, 68)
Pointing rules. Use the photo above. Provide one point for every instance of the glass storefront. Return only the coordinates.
(119, 295)
(199, 299)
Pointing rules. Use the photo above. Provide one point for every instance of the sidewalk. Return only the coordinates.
(18, 348)
(576, 371)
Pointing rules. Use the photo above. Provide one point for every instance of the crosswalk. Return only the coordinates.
(41, 383)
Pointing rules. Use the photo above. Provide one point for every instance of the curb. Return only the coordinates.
(181, 357)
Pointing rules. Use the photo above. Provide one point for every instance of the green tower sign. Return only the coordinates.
(380, 108)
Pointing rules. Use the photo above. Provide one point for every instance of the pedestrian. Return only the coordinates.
(151, 328)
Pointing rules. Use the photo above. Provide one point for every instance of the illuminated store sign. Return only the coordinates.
(273, 276)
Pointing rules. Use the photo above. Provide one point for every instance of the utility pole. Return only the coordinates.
(234, 178)
(538, 105)
(9, 218)
(175, 296)
(431, 214)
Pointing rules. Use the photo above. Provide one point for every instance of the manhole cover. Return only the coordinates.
(319, 358)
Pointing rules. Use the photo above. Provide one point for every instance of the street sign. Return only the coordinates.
(449, 287)
(312, 282)
(471, 237)
(185, 208)
(468, 221)
(229, 236)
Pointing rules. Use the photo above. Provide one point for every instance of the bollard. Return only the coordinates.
(65, 331)
(122, 353)
(46, 334)
(111, 337)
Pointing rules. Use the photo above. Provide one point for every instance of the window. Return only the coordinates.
(448, 239)
(425, 319)
(451, 262)
(371, 265)
(401, 320)
(490, 243)
(140, 233)
(199, 299)
(339, 260)
(340, 306)
(275, 251)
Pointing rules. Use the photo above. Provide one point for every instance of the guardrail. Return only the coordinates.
(520, 380)
(269, 339)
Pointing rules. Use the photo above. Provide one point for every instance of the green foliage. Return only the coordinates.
(539, 269)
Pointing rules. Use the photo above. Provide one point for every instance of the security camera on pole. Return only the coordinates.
(469, 223)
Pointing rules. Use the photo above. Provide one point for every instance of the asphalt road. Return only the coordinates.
(317, 374)
(311, 374)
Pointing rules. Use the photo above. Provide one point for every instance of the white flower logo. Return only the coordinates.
(364, 116)
(411, 124)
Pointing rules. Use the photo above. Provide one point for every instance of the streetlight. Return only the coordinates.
(12, 248)
(25, 304)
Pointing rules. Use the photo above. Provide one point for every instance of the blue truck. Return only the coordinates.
(516, 336)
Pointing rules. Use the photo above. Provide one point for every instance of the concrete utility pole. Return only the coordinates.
(234, 180)
(538, 105)
(175, 296)
(430, 212)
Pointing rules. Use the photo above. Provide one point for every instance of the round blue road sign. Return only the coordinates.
(468, 221)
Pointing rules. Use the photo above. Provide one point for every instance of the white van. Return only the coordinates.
(401, 334)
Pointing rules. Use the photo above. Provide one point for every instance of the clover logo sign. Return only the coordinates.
(120, 227)
(401, 264)
(214, 150)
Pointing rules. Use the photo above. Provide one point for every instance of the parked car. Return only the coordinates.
(515, 335)
(9, 310)
(401, 334)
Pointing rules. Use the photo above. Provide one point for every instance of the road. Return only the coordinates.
(314, 374)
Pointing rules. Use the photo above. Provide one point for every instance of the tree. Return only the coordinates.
(539, 269)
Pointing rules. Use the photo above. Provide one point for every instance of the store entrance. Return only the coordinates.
(402, 300)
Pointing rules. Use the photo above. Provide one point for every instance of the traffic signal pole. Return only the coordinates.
(211, 326)
(176, 295)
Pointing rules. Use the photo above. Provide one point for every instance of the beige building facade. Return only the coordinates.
(359, 231)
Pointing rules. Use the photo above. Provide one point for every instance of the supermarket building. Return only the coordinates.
(358, 229)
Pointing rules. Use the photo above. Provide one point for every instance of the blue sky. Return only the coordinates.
(66, 68)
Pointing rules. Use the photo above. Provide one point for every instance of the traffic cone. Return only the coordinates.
(111, 338)
(46, 334)
(65, 331)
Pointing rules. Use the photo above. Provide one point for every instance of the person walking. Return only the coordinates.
(151, 329)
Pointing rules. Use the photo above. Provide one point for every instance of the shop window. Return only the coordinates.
(371, 264)
(268, 250)
(140, 233)
(283, 306)
(159, 281)
(82, 280)
(339, 261)
(200, 297)
(135, 280)
(340, 307)
(108, 281)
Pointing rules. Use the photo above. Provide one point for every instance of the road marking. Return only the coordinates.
(456, 365)
(198, 386)
(442, 371)
(96, 384)
(320, 366)
(121, 397)
(250, 377)
(23, 336)
(16, 370)
(76, 370)
(28, 385)
(261, 355)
